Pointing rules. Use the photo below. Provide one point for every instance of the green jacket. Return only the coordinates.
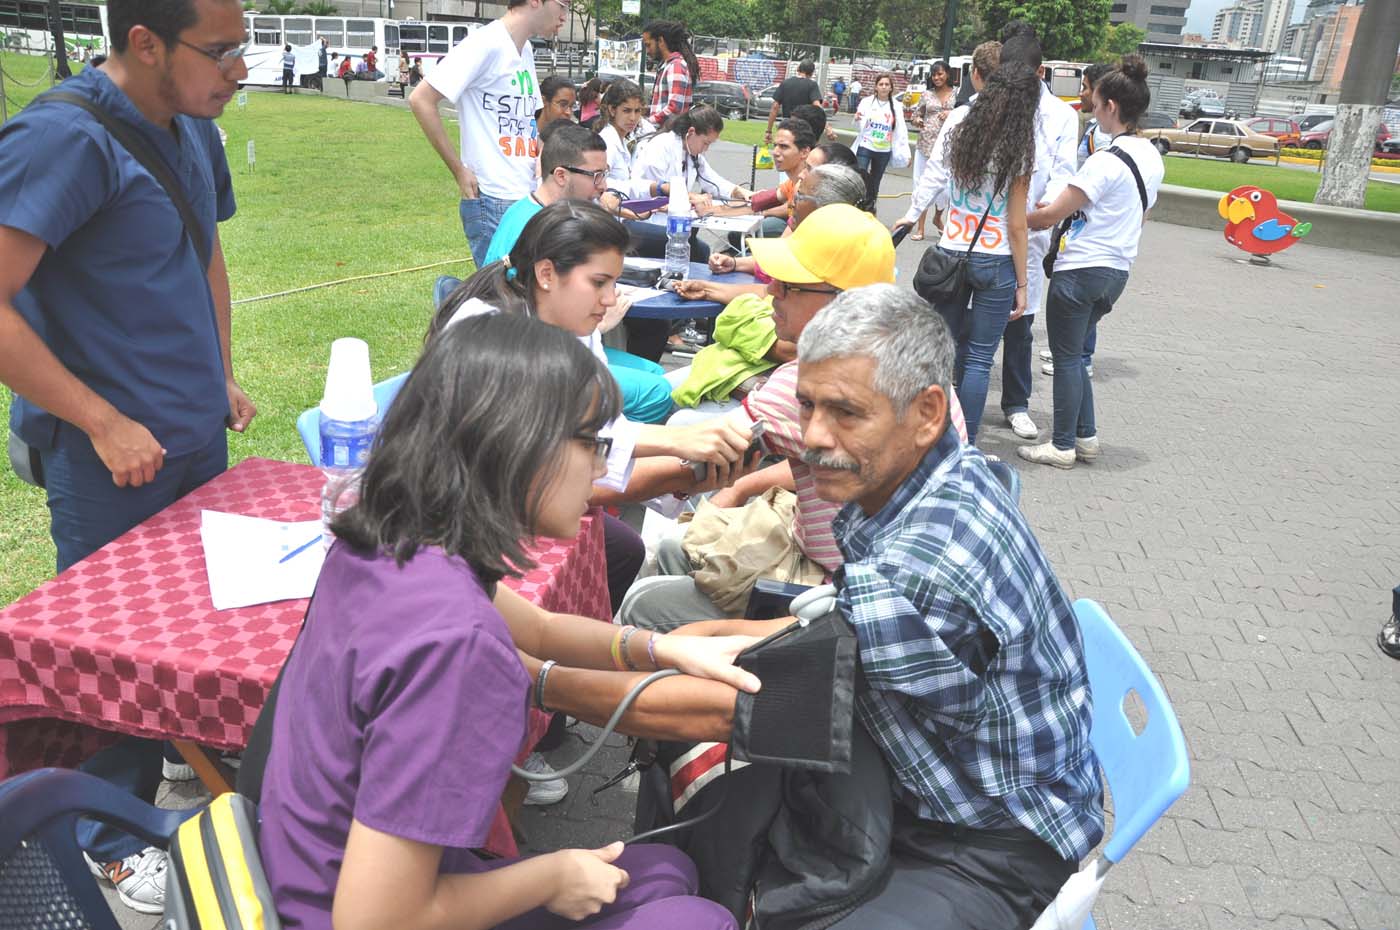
(743, 333)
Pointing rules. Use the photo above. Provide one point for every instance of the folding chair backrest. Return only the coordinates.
(442, 289)
(309, 423)
(44, 880)
(1146, 771)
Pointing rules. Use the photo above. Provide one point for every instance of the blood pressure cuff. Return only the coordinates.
(216, 879)
(803, 716)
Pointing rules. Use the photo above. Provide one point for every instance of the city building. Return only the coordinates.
(1335, 33)
(1238, 24)
(1162, 20)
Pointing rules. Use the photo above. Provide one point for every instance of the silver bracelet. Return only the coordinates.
(539, 684)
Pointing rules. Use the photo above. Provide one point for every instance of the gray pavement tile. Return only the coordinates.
(1120, 913)
(1327, 825)
(1342, 861)
(1371, 909)
(1237, 813)
(1229, 847)
(1190, 884)
(1218, 918)
(1273, 896)
(1354, 797)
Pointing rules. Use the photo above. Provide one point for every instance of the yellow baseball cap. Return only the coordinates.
(837, 244)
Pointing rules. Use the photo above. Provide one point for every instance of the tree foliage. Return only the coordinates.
(1119, 40)
(1070, 30)
(319, 8)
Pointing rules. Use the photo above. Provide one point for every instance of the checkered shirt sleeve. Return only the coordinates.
(977, 692)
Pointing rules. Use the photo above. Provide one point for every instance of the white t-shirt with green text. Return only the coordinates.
(493, 85)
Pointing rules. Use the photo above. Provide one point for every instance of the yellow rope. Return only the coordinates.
(361, 277)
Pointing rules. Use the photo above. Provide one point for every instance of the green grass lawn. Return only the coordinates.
(1215, 174)
(340, 189)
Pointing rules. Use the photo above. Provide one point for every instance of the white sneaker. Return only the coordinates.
(1022, 425)
(183, 771)
(1089, 369)
(1047, 454)
(1048, 368)
(1086, 448)
(543, 793)
(1046, 355)
(139, 879)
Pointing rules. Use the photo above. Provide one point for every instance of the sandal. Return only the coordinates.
(917, 237)
(1389, 637)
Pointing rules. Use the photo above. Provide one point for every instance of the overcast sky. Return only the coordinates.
(1201, 16)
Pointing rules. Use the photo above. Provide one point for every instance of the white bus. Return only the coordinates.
(348, 35)
(24, 26)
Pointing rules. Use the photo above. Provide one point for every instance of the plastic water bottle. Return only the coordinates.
(678, 218)
(349, 422)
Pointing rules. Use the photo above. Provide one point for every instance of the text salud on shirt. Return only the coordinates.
(515, 116)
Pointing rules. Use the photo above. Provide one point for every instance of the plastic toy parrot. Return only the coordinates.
(1254, 223)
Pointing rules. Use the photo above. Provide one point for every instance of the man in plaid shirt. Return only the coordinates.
(668, 43)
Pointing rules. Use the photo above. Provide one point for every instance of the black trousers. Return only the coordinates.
(952, 878)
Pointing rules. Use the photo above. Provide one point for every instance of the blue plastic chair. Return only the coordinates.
(1009, 478)
(1146, 772)
(44, 879)
(309, 423)
(443, 288)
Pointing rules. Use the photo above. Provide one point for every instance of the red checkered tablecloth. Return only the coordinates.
(128, 640)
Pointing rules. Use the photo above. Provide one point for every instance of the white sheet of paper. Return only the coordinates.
(639, 294)
(243, 558)
(738, 224)
(643, 264)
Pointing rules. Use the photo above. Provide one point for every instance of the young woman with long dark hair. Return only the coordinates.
(405, 698)
(1106, 204)
(990, 154)
(929, 116)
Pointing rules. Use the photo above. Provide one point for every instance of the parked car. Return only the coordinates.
(1223, 138)
(1317, 138)
(731, 99)
(1309, 122)
(1391, 146)
(1156, 121)
(1194, 106)
(1284, 130)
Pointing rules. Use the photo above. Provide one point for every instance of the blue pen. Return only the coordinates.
(299, 549)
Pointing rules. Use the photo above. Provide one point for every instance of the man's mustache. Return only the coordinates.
(822, 460)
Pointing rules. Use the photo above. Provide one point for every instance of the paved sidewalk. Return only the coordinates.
(1243, 528)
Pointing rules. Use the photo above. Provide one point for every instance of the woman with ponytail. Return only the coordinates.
(1098, 221)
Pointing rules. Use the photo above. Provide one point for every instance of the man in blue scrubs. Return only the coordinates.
(114, 336)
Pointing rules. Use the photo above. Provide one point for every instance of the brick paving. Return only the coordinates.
(1243, 528)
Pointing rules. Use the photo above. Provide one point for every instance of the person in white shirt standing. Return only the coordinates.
(1056, 131)
(1105, 205)
(490, 75)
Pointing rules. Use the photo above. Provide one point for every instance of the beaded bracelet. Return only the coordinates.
(627, 632)
(614, 649)
(539, 684)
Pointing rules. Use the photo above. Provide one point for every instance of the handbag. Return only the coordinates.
(216, 879)
(900, 155)
(942, 278)
(24, 459)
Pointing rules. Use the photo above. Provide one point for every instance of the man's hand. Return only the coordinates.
(1018, 308)
(702, 204)
(729, 497)
(708, 657)
(900, 224)
(128, 450)
(693, 289)
(718, 441)
(466, 183)
(586, 880)
(241, 410)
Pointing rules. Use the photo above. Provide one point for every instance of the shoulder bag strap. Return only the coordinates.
(147, 156)
(1142, 188)
(978, 234)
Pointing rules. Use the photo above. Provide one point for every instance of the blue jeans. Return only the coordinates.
(1017, 344)
(1075, 302)
(87, 511)
(875, 164)
(480, 217)
(646, 394)
(978, 329)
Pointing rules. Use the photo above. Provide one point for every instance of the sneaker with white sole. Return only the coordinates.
(139, 879)
(183, 771)
(543, 793)
(1086, 448)
(1047, 454)
(1022, 425)
(1048, 368)
(1046, 355)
